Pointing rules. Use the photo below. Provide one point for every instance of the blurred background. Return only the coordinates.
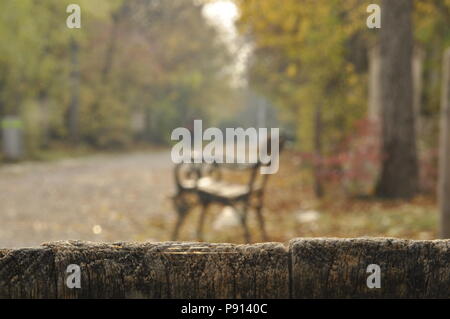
(86, 114)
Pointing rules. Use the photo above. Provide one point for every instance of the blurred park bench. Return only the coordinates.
(230, 184)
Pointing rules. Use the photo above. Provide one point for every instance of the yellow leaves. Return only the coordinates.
(289, 23)
(307, 41)
(431, 21)
(99, 9)
(424, 7)
(291, 71)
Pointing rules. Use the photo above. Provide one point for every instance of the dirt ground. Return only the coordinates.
(98, 198)
(126, 197)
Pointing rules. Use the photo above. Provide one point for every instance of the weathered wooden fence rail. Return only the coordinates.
(304, 268)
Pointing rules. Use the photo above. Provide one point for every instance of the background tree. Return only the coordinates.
(399, 173)
(311, 59)
(444, 159)
(157, 63)
(307, 59)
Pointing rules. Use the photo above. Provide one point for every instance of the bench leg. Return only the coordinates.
(179, 223)
(244, 214)
(261, 222)
(201, 221)
(182, 209)
(247, 235)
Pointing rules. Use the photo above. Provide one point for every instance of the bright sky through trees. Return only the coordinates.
(224, 14)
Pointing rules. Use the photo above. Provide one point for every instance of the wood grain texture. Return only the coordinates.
(304, 268)
(337, 268)
(150, 270)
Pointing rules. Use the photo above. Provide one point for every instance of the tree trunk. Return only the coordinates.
(73, 113)
(417, 71)
(318, 159)
(444, 161)
(400, 173)
(374, 58)
(112, 46)
(319, 268)
(375, 84)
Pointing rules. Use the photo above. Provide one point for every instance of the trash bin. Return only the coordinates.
(12, 138)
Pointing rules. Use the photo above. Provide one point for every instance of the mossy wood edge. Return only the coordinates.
(301, 268)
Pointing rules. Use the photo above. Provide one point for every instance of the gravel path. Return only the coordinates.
(98, 198)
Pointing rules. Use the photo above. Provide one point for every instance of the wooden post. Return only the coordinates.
(339, 268)
(303, 268)
(444, 160)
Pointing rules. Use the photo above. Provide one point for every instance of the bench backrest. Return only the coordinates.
(187, 175)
